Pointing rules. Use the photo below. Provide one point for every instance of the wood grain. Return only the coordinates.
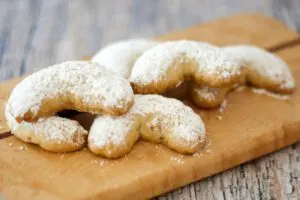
(244, 143)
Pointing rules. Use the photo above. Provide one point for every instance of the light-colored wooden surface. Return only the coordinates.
(32, 38)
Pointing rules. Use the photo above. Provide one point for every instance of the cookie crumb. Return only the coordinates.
(94, 161)
(21, 148)
(219, 117)
(177, 159)
(10, 144)
(101, 163)
(223, 106)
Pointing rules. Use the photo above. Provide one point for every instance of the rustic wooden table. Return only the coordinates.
(37, 33)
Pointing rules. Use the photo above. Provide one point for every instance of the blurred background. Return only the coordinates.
(37, 33)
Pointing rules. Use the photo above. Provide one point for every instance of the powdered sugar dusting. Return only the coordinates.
(109, 130)
(264, 64)
(270, 94)
(88, 81)
(177, 159)
(59, 129)
(120, 56)
(99, 162)
(171, 114)
(51, 129)
(185, 124)
(154, 64)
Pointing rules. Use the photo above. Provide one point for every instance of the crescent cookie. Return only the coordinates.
(165, 65)
(75, 85)
(264, 69)
(54, 134)
(154, 118)
(120, 56)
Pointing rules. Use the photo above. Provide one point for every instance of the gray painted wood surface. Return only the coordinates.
(37, 33)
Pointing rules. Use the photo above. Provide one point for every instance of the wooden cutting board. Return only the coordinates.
(252, 125)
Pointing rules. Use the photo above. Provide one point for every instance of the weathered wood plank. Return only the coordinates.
(18, 44)
(287, 12)
(7, 10)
